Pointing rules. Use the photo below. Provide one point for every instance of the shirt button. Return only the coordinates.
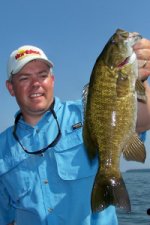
(45, 181)
(50, 210)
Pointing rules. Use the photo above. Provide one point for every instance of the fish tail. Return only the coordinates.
(109, 191)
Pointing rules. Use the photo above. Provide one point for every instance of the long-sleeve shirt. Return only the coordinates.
(53, 188)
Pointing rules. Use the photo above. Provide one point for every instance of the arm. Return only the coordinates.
(143, 116)
(142, 50)
(6, 210)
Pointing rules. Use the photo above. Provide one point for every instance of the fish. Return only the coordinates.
(110, 114)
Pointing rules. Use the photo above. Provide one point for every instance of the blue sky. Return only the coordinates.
(72, 33)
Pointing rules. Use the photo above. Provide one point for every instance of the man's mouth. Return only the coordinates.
(35, 95)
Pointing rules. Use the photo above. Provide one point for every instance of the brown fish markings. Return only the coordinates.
(110, 119)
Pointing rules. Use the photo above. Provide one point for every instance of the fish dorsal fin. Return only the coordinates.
(140, 89)
(134, 150)
(84, 96)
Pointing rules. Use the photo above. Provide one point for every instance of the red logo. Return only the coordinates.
(23, 53)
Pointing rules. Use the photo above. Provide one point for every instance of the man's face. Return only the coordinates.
(33, 88)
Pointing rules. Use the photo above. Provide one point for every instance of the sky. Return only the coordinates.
(72, 33)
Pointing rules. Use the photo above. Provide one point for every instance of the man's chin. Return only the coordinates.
(39, 110)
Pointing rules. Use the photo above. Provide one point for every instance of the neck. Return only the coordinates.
(33, 118)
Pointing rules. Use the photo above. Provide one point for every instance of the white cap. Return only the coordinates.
(20, 57)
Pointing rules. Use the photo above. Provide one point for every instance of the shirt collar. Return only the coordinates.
(46, 116)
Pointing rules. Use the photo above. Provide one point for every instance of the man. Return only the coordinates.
(45, 175)
(142, 50)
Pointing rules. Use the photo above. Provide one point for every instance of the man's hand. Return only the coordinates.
(142, 50)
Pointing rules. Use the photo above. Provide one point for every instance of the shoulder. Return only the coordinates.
(4, 135)
(74, 106)
(10, 153)
(5, 143)
(6, 140)
(70, 104)
(69, 109)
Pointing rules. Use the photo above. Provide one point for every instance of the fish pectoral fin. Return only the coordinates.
(84, 97)
(134, 150)
(140, 89)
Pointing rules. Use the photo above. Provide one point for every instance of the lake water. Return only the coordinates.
(138, 186)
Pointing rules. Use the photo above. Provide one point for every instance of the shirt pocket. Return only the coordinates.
(71, 157)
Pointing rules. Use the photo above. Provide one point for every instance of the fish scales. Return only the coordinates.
(110, 117)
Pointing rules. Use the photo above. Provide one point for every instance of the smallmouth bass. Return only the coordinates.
(110, 119)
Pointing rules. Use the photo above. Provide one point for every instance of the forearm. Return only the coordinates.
(7, 212)
(143, 115)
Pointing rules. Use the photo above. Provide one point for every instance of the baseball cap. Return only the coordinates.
(24, 54)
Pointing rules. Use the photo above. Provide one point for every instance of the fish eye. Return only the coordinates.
(113, 41)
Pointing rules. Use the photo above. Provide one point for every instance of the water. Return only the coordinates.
(138, 186)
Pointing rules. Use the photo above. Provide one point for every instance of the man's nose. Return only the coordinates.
(35, 81)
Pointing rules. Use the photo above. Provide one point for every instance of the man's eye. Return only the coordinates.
(23, 78)
(43, 75)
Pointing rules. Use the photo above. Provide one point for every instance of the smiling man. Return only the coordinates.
(33, 84)
(45, 175)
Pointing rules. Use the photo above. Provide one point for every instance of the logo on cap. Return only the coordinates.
(22, 53)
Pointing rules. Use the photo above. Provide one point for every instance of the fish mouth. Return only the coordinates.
(123, 63)
(127, 60)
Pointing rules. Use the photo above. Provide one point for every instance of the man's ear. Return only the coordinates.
(52, 77)
(9, 86)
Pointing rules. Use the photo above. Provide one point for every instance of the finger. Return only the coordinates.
(144, 64)
(144, 69)
(142, 44)
(144, 73)
(143, 54)
(141, 63)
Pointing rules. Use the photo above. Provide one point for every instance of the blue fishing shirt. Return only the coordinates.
(53, 188)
